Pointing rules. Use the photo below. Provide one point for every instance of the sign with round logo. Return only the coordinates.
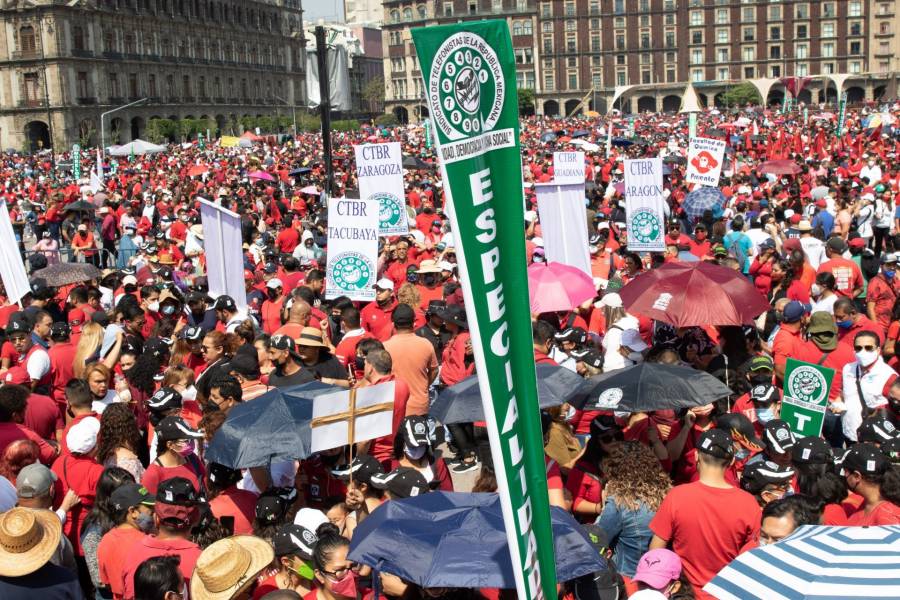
(610, 398)
(466, 88)
(391, 213)
(645, 226)
(352, 271)
(807, 384)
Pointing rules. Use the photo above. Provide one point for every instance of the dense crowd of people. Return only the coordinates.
(112, 388)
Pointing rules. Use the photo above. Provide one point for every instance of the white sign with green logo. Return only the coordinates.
(644, 211)
(806, 388)
(379, 169)
(352, 248)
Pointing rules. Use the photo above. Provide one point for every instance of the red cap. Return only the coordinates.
(76, 316)
(792, 244)
(248, 275)
(821, 203)
(795, 219)
(857, 243)
(16, 376)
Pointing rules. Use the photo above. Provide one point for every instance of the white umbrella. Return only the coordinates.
(136, 147)
(816, 562)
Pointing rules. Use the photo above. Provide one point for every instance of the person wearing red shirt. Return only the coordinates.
(377, 369)
(457, 361)
(376, 316)
(79, 471)
(400, 263)
(429, 286)
(542, 332)
(867, 470)
(133, 512)
(175, 513)
(345, 351)
(848, 278)
(270, 312)
(822, 348)
(318, 483)
(707, 522)
(850, 322)
(882, 291)
(228, 501)
(288, 238)
(584, 482)
(13, 412)
(62, 363)
(178, 230)
(175, 443)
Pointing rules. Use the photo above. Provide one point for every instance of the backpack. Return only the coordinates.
(736, 250)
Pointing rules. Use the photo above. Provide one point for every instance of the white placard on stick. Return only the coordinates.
(568, 167)
(705, 158)
(644, 204)
(379, 169)
(352, 416)
(352, 248)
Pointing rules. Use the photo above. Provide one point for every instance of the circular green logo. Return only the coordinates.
(466, 87)
(645, 226)
(390, 210)
(807, 384)
(351, 271)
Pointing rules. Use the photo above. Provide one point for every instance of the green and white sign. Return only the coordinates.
(76, 161)
(644, 213)
(352, 249)
(806, 388)
(842, 114)
(470, 86)
(379, 170)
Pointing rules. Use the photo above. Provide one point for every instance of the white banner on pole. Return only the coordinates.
(644, 210)
(222, 245)
(96, 183)
(352, 248)
(568, 167)
(379, 168)
(705, 158)
(563, 225)
(12, 269)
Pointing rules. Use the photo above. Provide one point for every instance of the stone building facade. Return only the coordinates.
(65, 62)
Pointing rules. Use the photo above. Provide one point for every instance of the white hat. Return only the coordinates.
(537, 241)
(310, 518)
(274, 283)
(530, 216)
(417, 235)
(82, 227)
(632, 339)
(82, 437)
(129, 280)
(612, 300)
(384, 284)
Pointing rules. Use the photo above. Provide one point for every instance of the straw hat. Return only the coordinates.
(228, 566)
(28, 539)
(311, 336)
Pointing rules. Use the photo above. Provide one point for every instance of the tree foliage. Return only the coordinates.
(741, 95)
(526, 101)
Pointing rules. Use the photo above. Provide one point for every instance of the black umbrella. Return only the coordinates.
(414, 162)
(581, 133)
(461, 403)
(758, 138)
(674, 159)
(273, 427)
(715, 133)
(82, 206)
(300, 171)
(651, 386)
(621, 142)
(65, 273)
(548, 137)
(639, 141)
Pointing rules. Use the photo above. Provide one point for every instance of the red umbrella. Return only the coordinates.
(554, 287)
(780, 167)
(695, 293)
(197, 170)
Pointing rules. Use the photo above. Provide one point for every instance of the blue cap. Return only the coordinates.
(794, 311)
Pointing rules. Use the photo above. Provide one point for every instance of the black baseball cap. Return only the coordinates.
(761, 363)
(60, 331)
(737, 422)
(759, 474)
(435, 307)
(130, 494)
(224, 477)
(812, 450)
(164, 399)
(270, 268)
(716, 442)
(272, 505)
(361, 469)
(18, 323)
(157, 346)
(876, 430)
(571, 334)
(765, 393)
(778, 436)
(415, 431)
(192, 333)
(244, 364)
(865, 458)
(177, 491)
(588, 357)
(284, 342)
(891, 449)
(455, 314)
(403, 316)
(296, 540)
(175, 428)
(225, 302)
(403, 482)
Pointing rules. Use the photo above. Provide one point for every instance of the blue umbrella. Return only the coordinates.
(271, 428)
(300, 171)
(621, 142)
(548, 137)
(581, 133)
(455, 540)
(816, 561)
(702, 199)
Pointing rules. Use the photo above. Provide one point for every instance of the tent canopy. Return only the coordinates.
(136, 147)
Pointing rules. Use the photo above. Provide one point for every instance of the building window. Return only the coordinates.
(620, 59)
(524, 56)
(78, 38)
(407, 14)
(133, 89)
(570, 8)
(619, 23)
(595, 23)
(722, 55)
(749, 72)
(696, 75)
(645, 58)
(774, 52)
(645, 77)
(670, 75)
(801, 11)
(696, 17)
(802, 70)
(594, 7)
(749, 53)
(775, 71)
(395, 16)
(670, 39)
(802, 32)
(828, 9)
(723, 74)
(572, 80)
(113, 85)
(547, 43)
(670, 57)
(549, 82)
(448, 9)
(547, 27)
(856, 28)
(32, 89)
(527, 27)
(571, 44)
(572, 62)
(696, 56)
(644, 6)
(748, 14)
(775, 12)
(596, 80)
(697, 36)
(571, 25)
(775, 33)
(721, 35)
(618, 6)
(621, 78)
(546, 10)
(645, 20)
(620, 41)
(749, 34)
(81, 81)
(423, 12)
(854, 8)
(27, 41)
(802, 51)
(855, 47)
(828, 29)
(595, 42)
(828, 68)
(855, 66)
(722, 16)
(828, 50)
(645, 40)
(669, 19)
(669, 5)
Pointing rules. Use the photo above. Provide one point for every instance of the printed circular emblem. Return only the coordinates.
(351, 270)
(466, 88)
(309, 537)
(645, 225)
(419, 428)
(807, 384)
(390, 209)
(610, 398)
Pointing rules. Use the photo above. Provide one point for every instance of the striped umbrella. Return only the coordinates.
(702, 199)
(816, 562)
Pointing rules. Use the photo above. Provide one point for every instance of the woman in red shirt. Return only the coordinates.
(176, 444)
(584, 481)
(870, 474)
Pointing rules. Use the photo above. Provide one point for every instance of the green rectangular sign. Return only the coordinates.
(470, 87)
(806, 388)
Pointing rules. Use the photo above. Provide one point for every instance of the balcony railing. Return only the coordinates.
(86, 100)
(116, 100)
(32, 102)
(25, 55)
(82, 53)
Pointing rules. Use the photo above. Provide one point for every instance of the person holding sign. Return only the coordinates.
(867, 382)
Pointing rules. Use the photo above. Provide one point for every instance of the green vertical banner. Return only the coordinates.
(806, 388)
(842, 114)
(469, 73)
(201, 143)
(428, 133)
(76, 161)
(692, 125)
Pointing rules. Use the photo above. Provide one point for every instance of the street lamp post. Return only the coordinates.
(103, 127)
(293, 112)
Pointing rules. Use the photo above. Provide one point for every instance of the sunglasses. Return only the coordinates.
(866, 348)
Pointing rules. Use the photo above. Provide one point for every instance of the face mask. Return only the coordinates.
(764, 415)
(305, 571)
(346, 586)
(890, 274)
(153, 307)
(429, 279)
(272, 294)
(144, 522)
(188, 449)
(414, 453)
(866, 357)
(741, 454)
(754, 380)
(845, 324)
(184, 219)
(816, 290)
(189, 393)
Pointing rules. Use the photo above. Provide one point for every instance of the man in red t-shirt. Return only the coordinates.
(707, 522)
(882, 292)
(850, 322)
(62, 363)
(270, 312)
(79, 471)
(848, 279)
(132, 508)
(237, 506)
(789, 338)
(377, 369)
(376, 316)
(13, 411)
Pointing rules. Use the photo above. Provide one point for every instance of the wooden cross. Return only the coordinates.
(350, 416)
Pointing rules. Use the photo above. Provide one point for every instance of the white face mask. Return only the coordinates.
(867, 357)
(153, 307)
(414, 453)
(816, 290)
(189, 393)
